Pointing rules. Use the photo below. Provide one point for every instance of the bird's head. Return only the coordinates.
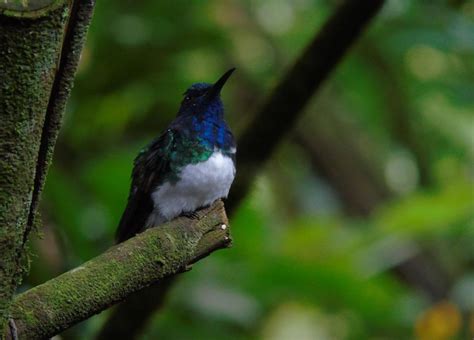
(204, 98)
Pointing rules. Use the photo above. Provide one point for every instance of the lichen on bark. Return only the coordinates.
(78, 24)
(29, 8)
(29, 54)
(157, 253)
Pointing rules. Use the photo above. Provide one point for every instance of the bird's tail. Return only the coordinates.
(135, 217)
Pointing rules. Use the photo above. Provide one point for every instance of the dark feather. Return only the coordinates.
(150, 166)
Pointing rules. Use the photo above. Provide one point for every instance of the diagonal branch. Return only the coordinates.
(151, 256)
(287, 101)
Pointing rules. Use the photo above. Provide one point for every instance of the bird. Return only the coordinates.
(189, 166)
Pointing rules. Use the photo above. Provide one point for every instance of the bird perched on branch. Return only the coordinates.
(189, 166)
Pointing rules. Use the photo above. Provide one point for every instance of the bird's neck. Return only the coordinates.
(206, 126)
(211, 131)
(199, 139)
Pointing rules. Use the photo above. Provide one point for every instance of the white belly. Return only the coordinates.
(200, 184)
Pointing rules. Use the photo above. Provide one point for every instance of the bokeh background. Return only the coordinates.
(360, 226)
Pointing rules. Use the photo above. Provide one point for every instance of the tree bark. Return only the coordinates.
(132, 316)
(151, 256)
(40, 44)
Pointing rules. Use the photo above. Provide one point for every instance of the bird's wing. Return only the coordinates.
(149, 168)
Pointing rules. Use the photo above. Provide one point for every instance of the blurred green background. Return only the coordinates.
(360, 227)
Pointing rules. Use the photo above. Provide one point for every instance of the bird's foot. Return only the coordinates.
(194, 214)
(13, 329)
(191, 214)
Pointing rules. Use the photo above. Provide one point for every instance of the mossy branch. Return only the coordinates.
(30, 8)
(73, 42)
(151, 256)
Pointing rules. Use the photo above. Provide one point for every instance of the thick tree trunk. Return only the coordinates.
(40, 44)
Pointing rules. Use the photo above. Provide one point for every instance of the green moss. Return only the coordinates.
(28, 59)
(78, 23)
(29, 8)
(125, 268)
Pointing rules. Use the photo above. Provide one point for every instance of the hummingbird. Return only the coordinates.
(189, 166)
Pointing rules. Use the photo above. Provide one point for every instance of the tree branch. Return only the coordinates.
(130, 317)
(74, 39)
(286, 103)
(153, 255)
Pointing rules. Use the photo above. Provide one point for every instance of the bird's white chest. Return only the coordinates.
(200, 184)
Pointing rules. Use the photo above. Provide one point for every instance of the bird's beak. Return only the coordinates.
(217, 87)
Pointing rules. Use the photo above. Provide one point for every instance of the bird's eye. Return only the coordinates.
(187, 98)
